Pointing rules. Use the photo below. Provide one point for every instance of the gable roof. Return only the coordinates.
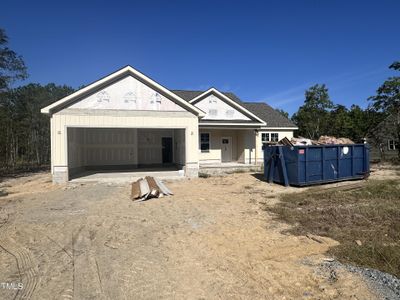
(235, 104)
(272, 117)
(122, 73)
(190, 95)
(261, 109)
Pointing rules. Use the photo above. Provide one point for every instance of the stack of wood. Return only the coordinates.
(147, 188)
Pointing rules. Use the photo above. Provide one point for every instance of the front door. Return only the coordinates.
(166, 143)
(226, 149)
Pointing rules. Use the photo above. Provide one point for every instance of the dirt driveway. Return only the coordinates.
(211, 240)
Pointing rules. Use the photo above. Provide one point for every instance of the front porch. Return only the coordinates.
(228, 147)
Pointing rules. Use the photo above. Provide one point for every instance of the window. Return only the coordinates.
(264, 137)
(205, 142)
(391, 145)
(269, 137)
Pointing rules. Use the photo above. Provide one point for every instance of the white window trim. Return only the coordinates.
(269, 137)
(262, 141)
(277, 138)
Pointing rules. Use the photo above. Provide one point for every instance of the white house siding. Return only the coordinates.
(243, 142)
(223, 110)
(127, 94)
(98, 118)
(281, 134)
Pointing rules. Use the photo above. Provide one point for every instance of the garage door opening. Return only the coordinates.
(129, 151)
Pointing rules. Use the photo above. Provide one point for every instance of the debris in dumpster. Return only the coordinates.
(147, 188)
(285, 141)
(323, 140)
(331, 140)
(300, 141)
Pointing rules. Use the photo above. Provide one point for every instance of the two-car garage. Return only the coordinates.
(124, 149)
(125, 121)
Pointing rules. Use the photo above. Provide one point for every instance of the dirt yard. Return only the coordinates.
(211, 240)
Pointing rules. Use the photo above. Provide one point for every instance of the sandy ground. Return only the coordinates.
(211, 240)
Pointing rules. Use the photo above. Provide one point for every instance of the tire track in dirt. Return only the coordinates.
(27, 268)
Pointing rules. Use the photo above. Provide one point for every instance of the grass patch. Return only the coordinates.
(370, 215)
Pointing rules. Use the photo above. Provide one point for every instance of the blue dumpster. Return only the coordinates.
(307, 165)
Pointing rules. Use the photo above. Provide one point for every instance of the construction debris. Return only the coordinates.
(300, 141)
(285, 141)
(147, 188)
(323, 140)
(331, 140)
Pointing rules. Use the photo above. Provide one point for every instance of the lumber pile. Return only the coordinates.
(147, 188)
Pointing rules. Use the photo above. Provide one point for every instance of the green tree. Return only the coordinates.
(312, 116)
(25, 139)
(387, 99)
(12, 66)
(340, 123)
(282, 112)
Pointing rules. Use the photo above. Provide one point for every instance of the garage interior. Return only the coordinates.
(128, 150)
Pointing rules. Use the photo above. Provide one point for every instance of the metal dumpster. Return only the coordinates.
(307, 165)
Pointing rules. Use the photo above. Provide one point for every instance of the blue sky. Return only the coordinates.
(261, 50)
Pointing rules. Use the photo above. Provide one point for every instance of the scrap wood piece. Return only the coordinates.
(285, 141)
(147, 188)
(163, 187)
(135, 191)
(144, 189)
(154, 189)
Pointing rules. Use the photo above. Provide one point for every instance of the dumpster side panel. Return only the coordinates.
(306, 165)
(291, 158)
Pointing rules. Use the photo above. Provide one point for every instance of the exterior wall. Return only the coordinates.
(214, 155)
(179, 147)
(127, 94)
(242, 145)
(64, 119)
(224, 110)
(259, 144)
(249, 143)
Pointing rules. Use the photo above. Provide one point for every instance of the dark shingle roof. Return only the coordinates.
(260, 109)
(268, 114)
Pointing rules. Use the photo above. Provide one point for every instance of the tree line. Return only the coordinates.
(320, 116)
(24, 131)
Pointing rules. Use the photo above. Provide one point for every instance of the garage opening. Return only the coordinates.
(125, 150)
